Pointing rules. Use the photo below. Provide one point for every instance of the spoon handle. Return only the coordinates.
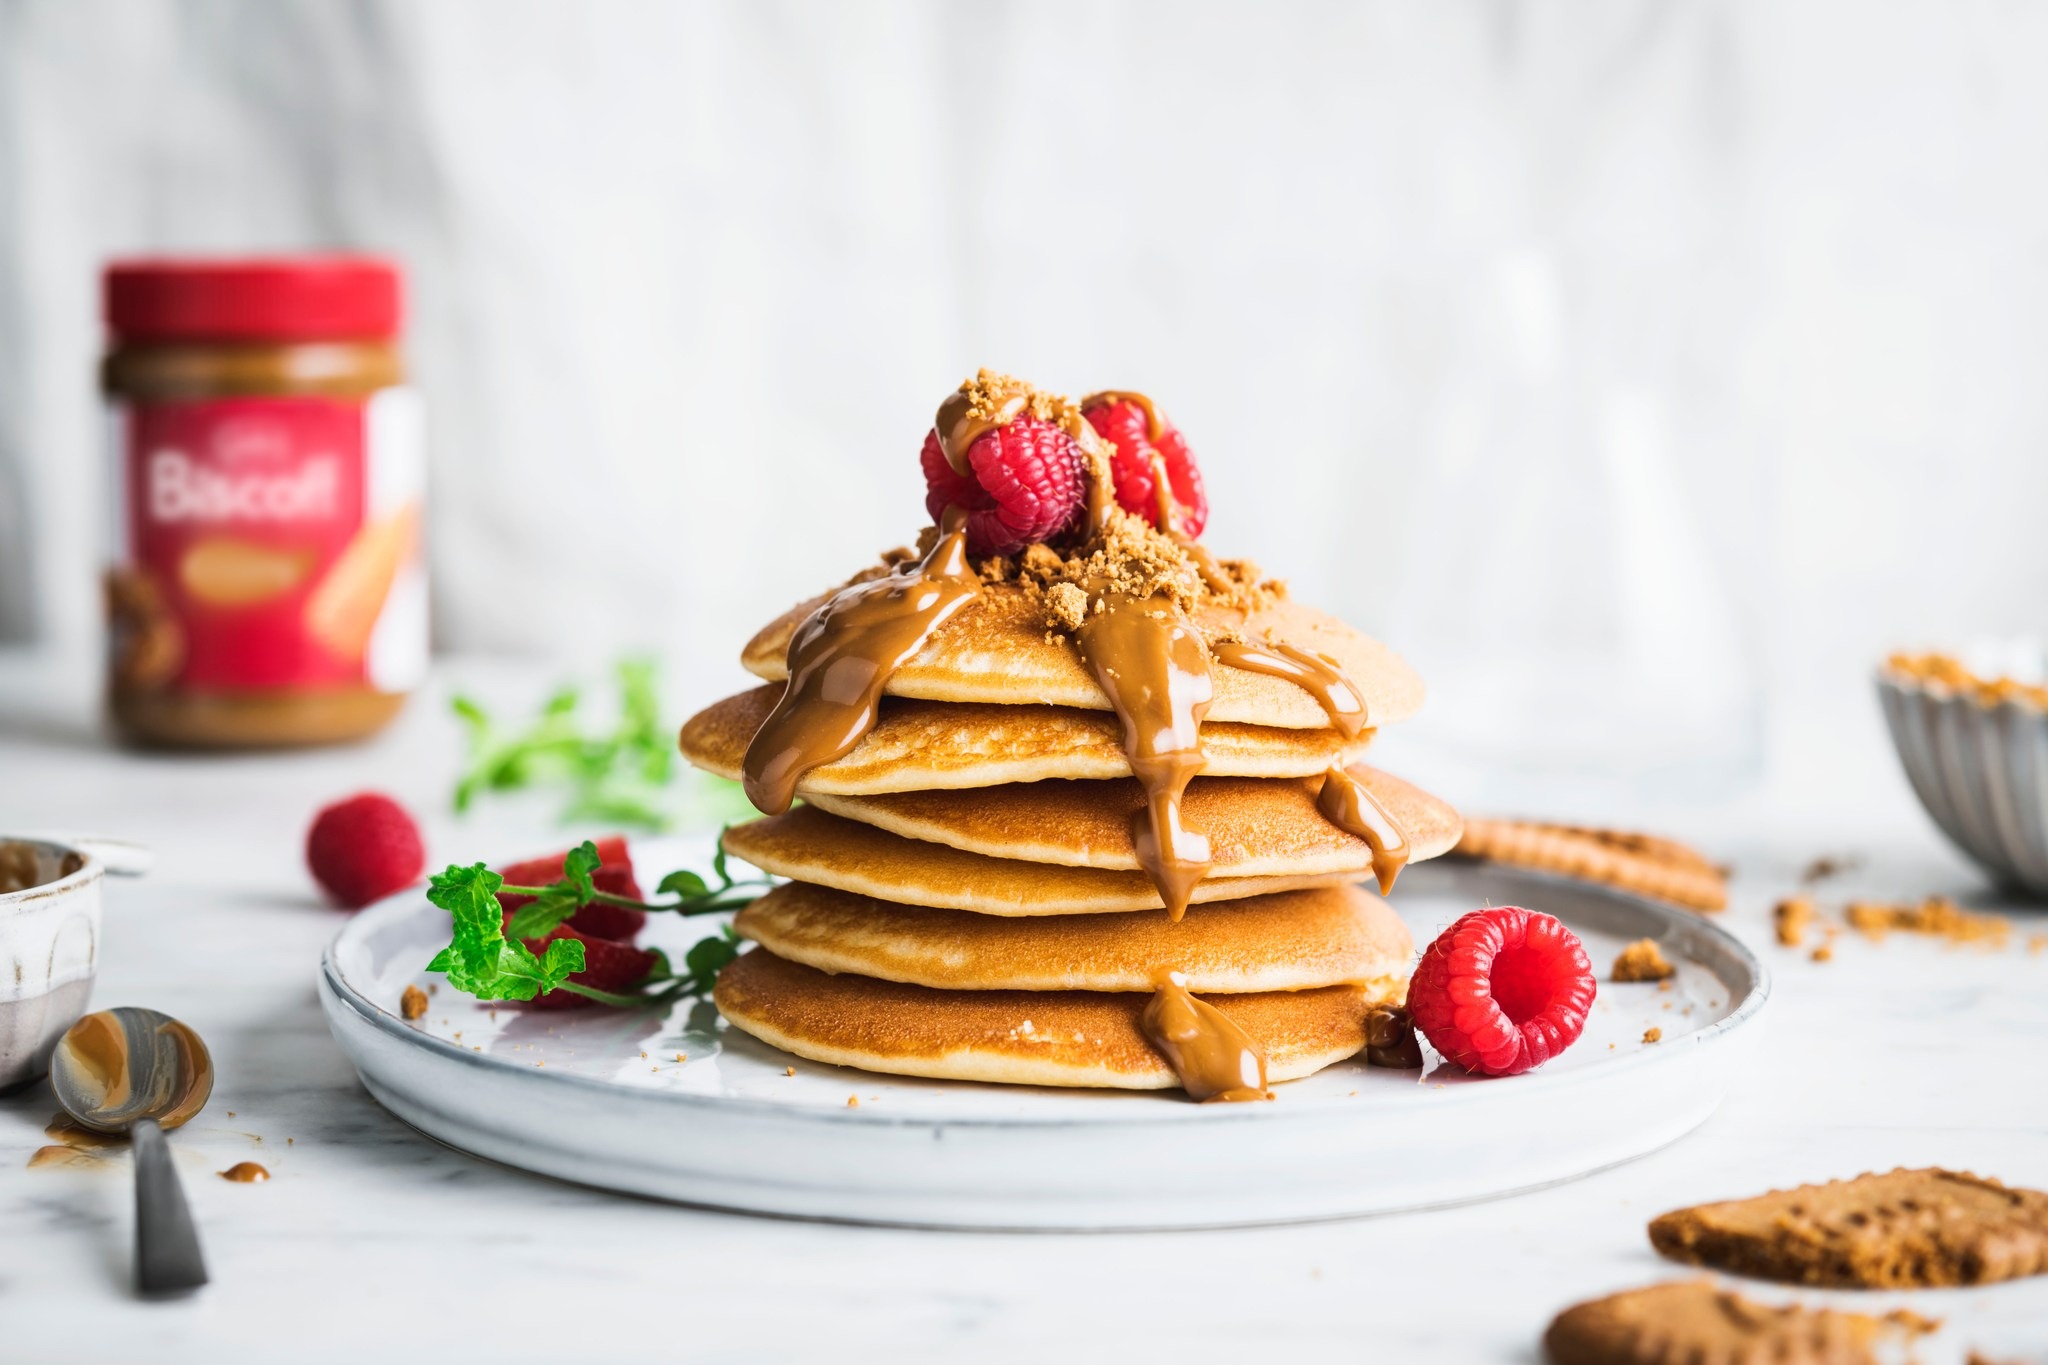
(167, 1259)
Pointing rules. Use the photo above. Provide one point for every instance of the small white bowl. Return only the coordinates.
(1979, 766)
(49, 946)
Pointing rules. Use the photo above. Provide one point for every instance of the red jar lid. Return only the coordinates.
(258, 298)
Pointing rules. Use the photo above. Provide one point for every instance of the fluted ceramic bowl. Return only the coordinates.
(1978, 758)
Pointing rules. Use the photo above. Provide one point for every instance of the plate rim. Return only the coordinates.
(1745, 1012)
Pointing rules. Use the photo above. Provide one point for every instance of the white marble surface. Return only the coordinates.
(372, 1242)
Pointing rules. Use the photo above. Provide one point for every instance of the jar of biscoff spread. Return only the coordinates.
(267, 585)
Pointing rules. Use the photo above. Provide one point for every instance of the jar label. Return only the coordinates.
(268, 543)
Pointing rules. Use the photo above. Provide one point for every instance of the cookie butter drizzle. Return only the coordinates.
(1214, 1058)
(1316, 674)
(1345, 803)
(843, 654)
(1150, 661)
(1343, 799)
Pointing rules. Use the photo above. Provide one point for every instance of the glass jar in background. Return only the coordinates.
(1583, 655)
(266, 583)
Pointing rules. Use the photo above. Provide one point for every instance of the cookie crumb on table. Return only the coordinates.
(1937, 916)
(1642, 961)
(1791, 918)
(1653, 1035)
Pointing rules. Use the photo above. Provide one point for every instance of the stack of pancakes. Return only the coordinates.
(967, 897)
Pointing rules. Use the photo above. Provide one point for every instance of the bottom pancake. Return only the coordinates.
(1081, 1039)
(1287, 941)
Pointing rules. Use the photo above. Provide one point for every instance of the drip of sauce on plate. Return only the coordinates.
(841, 657)
(1345, 803)
(1317, 674)
(1390, 1038)
(1150, 661)
(245, 1173)
(1214, 1058)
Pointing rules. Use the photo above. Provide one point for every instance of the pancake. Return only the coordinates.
(926, 745)
(1063, 1038)
(1292, 940)
(997, 649)
(1257, 827)
(808, 845)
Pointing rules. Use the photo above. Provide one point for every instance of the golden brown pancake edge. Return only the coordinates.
(1071, 1039)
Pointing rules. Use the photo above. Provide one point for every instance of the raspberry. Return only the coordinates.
(363, 848)
(608, 965)
(1028, 485)
(1502, 990)
(614, 874)
(1124, 425)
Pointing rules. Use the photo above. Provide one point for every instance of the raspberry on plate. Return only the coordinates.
(1028, 484)
(1127, 424)
(608, 965)
(1502, 990)
(364, 848)
(614, 875)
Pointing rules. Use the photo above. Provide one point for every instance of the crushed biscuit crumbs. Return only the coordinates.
(1824, 867)
(1792, 917)
(853, 1101)
(1951, 674)
(789, 1071)
(1824, 953)
(1653, 1035)
(412, 1004)
(1642, 961)
(1937, 917)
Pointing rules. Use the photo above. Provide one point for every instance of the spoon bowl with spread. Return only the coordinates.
(138, 1072)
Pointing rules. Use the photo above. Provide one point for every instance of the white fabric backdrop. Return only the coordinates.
(689, 280)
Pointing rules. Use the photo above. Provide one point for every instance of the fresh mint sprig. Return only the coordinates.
(487, 956)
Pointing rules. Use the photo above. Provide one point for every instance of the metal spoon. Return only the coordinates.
(138, 1072)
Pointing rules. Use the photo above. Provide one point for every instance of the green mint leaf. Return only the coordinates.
(684, 883)
(707, 957)
(577, 867)
(470, 896)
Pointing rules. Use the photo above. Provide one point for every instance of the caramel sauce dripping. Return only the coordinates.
(1155, 425)
(841, 657)
(1345, 803)
(1317, 674)
(1214, 1058)
(245, 1173)
(63, 1156)
(1150, 661)
(961, 422)
(74, 1145)
(1390, 1038)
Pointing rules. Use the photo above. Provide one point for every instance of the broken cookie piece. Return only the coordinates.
(1691, 1321)
(1907, 1229)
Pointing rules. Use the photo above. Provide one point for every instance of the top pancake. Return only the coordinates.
(997, 649)
(926, 745)
(1256, 827)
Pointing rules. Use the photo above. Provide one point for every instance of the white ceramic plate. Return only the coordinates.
(597, 1097)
